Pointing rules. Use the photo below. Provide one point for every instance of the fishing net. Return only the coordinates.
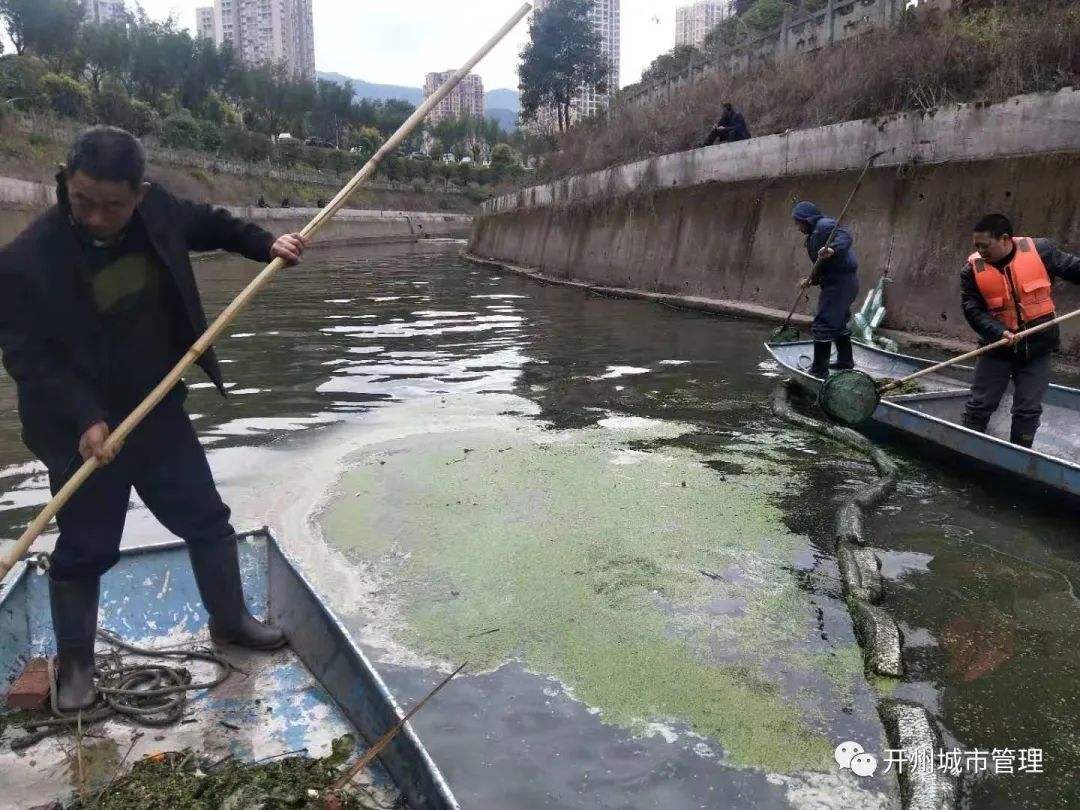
(849, 396)
(784, 334)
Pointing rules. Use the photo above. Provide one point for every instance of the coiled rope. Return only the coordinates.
(151, 695)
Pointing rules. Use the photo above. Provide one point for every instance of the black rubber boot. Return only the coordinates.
(217, 573)
(970, 423)
(74, 605)
(845, 359)
(1023, 437)
(822, 352)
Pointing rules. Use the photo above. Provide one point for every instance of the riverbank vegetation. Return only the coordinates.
(181, 93)
(985, 53)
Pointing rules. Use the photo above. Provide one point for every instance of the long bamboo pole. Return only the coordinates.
(998, 344)
(41, 522)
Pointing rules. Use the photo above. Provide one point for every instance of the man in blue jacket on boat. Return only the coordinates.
(1006, 287)
(837, 275)
(98, 302)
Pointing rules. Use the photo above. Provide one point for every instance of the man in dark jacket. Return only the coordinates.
(839, 280)
(1006, 288)
(98, 302)
(731, 127)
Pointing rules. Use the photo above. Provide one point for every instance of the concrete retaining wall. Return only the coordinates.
(21, 201)
(715, 222)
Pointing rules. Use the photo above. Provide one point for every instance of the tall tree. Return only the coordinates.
(48, 28)
(672, 62)
(563, 56)
(106, 52)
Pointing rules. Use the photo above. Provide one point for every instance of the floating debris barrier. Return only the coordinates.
(908, 726)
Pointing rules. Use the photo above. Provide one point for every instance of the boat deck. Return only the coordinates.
(269, 706)
(945, 393)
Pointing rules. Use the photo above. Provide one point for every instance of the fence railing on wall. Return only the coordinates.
(802, 32)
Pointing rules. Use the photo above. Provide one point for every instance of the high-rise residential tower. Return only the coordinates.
(465, 99)
(204, 23)
(268, 31)
(103, 11)
(694, 22)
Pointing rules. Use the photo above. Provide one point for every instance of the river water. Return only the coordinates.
(589, 501)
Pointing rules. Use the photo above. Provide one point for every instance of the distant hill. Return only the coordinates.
(507, 119)
(502, 104)
(377, 92)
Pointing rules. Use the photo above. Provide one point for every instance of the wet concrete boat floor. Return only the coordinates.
(357, 359)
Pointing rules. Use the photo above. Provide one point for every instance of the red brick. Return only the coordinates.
(31, 689)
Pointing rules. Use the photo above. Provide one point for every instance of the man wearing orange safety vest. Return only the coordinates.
(1006, 287)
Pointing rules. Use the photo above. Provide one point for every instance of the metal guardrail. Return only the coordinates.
(798, 33)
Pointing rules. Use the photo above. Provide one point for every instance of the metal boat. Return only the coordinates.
(301, 698)
(934, 414)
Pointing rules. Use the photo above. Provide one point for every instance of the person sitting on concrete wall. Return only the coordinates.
(1005, 287)
(839, 280)
(731, 127)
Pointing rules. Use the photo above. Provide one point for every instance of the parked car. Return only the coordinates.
(321, 144)
(420, 156)
(448, 157)
(465, 159)
(285, 136)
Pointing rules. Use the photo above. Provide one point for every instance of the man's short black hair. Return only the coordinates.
(997, 225)
(727, 105)
(108, 153)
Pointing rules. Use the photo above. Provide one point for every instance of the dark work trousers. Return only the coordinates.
(164, 462)
(1030, 377)
(834, 306)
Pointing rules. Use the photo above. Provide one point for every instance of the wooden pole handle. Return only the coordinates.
(222, 322)
(976, 352)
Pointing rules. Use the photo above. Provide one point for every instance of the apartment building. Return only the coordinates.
(204, 23)
(103, 11)
(266, 31)
(694, 22)
(465, 99)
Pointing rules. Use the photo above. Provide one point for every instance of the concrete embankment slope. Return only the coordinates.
(21, 201)
(714, 223)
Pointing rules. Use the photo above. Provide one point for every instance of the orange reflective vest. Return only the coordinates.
(1019, 295)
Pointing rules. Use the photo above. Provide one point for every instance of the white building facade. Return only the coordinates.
(694, 22)
(465, 99)
(604, 17)
(265, 31)
(103, 11)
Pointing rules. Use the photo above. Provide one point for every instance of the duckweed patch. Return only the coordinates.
(587, 555)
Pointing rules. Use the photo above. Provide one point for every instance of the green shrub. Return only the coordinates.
(181, 131)
(20, 78)
(289, 152)
(211, 137)
(66, 96)
(113, 107)
(144, 119)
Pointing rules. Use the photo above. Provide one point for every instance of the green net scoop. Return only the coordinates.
(849, 396)
(784, 334)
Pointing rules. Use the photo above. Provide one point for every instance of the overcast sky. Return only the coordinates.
(398, 41)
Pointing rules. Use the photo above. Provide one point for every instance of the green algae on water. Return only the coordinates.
(587, 558)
